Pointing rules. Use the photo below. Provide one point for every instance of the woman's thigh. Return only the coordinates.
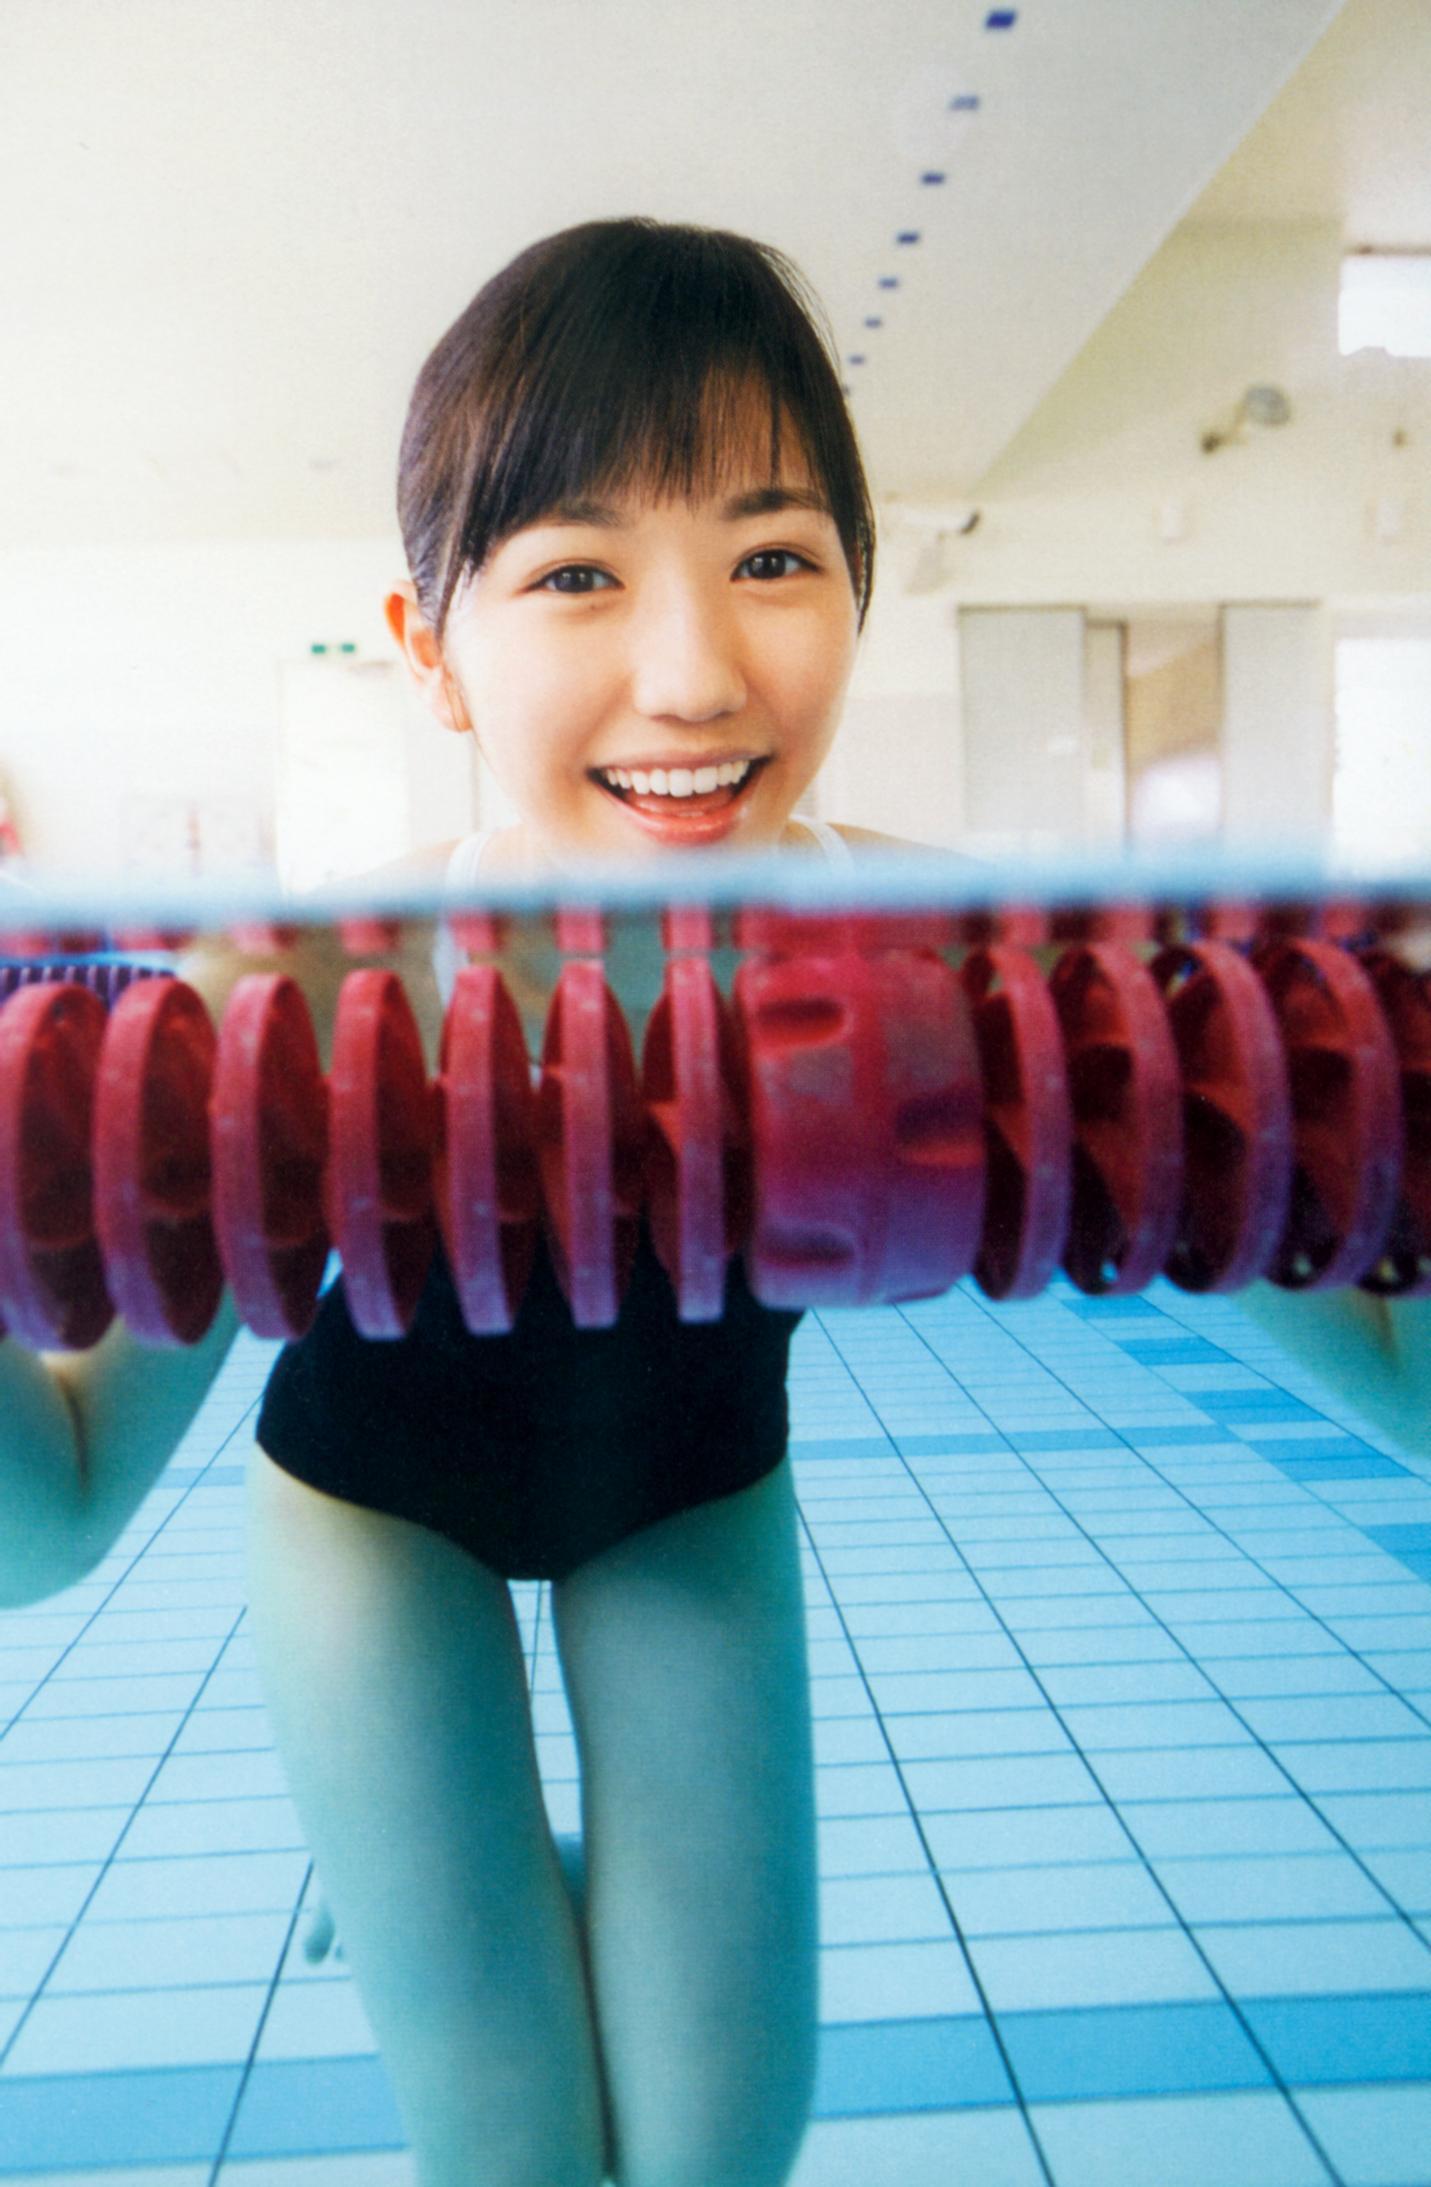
(683, 1651)
(394, 1678)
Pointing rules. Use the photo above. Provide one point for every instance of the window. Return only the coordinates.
(1381, 787)
(1385, 303)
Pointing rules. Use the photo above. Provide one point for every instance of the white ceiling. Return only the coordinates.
(230, 229)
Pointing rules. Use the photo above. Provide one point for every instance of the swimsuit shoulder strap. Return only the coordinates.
(837, 851)
(466, 858)
(447, 958)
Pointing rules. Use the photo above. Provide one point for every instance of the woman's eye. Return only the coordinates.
(575, 577)
(774, 562)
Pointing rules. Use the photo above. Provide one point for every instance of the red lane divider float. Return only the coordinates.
(153, 1178)
(1127, 1118)
(487, 1190)
(1404, 1269)
(862, 1090)
(590, 1144)
(1347, 1119)
(269, 1129)
(1237, 1117)
(859, 1121)
(52, 1289)
(1028, 1122)
(382, 1119)
(697, 1147)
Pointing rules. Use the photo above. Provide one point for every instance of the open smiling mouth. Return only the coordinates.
(678, 794)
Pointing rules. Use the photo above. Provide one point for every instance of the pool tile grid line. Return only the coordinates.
(188, 1489)
(1000, 2021)
(131, 1558)
(1105, 1793)
(1216, 1320)
(237, 2108)
(70, 1930)
(1093, 2079)
(1000, 2061)
(1163, 1473)
(1125, 1444)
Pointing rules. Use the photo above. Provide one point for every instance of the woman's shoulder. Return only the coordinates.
(417, 865)
(872, 842)
(871, 839)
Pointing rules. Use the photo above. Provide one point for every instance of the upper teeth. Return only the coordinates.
(677, 781)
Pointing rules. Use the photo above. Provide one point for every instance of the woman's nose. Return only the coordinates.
(686, 662)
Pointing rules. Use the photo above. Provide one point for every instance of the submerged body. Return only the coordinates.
(538, 1449)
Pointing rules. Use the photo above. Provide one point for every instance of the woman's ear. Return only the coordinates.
(422, 651)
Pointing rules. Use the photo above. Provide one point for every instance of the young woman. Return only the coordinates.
(640, 543)
(641, 549)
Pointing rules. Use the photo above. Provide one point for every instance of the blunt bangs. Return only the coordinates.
(622, 357)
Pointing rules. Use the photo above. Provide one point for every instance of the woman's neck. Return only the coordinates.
(515, 853)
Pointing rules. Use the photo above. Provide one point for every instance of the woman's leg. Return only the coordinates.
(683, 1651)
(394, 1678)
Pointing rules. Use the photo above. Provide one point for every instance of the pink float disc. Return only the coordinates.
(485, 1182)
(52, 1289)
(768, 931)
(696, 1153)
(153, 1171)
(381, 1120)
(862, 1090)
(1126, 923)
(1404, 1268)
(1346, 1106)
(686, 927)
(270, 1144)
(1237, 1117)
(364, 935)
(1127, 1118)
(1028, 1122)
(590, 1144)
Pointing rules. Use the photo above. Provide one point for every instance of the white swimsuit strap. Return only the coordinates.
(836, 849)
(466, 858)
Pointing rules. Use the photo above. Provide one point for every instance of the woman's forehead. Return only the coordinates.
(755, 494)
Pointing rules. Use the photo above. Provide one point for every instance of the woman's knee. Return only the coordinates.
(749, 2139)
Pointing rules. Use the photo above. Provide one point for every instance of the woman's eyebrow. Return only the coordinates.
(759, 501)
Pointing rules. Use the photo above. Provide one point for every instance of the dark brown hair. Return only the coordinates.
(618, 354)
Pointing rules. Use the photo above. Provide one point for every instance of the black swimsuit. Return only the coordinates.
(536, 1450)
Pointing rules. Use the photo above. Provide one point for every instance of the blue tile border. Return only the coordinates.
(1207, 1433)
(1112, 1309)
(1175, 1351)
(1102, 2052)
(908, 2065)
(1312, 1465)
(1264, 1403)
(958, 1443)
(173, 2115)
(853, 1446)
(1327, 2041)
(315, 2107)
(1402, 1541)
(1092, 1437)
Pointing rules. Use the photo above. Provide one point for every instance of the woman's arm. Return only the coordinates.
(84, 1436)
(1375, 1352)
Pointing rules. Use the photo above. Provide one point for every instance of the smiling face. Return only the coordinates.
(647, 675)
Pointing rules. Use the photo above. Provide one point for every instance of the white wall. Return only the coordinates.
(1073, 512)
(134, 676)
(160, 667)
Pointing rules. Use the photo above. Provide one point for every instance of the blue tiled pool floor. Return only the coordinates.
(1121, 1643)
